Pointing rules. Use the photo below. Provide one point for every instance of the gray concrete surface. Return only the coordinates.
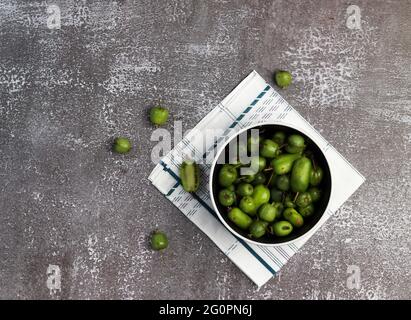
(67, 201)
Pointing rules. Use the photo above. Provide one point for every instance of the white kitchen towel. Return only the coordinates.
(253, 101)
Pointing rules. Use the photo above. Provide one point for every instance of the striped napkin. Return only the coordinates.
(253, 101)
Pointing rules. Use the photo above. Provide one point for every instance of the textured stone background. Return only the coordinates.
(66, 200)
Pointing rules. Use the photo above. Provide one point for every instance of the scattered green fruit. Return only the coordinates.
(158, 115)
(283, 79)
(159, 240)
(190, 176)
(121, 145)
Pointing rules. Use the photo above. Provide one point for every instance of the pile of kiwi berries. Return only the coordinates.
(281, 193)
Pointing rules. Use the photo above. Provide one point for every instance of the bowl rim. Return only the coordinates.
(302, 237)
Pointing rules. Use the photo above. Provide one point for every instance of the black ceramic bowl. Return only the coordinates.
(320, 207)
